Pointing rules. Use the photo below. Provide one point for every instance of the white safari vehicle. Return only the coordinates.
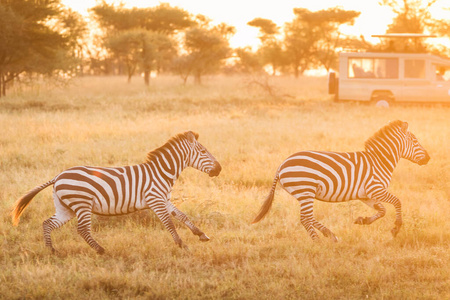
(386, 78)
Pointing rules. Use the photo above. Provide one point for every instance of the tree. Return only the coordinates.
(28, 41)
(141, 37)
(271, 50)
(141, 48)
(312, 37)
(73, 28)
(249, 62)
(413, 16)
(206, 49)
(162, 18)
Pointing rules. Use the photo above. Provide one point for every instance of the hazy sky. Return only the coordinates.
(373, 19)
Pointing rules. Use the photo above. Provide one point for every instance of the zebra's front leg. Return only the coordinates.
(389, 198)
(179, 215)
(381, 211)
(160, 209)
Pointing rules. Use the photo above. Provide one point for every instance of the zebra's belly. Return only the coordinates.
(346, 193)
(99, 203)
(113, 206)
(301, 188)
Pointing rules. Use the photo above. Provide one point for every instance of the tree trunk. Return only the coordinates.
(198, 78)
(2, 85)
(147, 77)
(296, 73)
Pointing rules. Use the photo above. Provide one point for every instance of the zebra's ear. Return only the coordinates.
(405, 126)
(191, 136)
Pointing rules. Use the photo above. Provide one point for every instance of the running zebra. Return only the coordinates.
(338, 177)
(81, 191)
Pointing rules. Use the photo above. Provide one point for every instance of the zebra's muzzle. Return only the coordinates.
(215, 171)
(424, 160)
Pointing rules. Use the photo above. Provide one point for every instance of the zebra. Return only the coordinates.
(338, 177)
(83, 191)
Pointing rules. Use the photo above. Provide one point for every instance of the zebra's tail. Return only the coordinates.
(268, 202)
(23, 202)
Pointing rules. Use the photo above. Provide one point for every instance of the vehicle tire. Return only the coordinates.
(382, 103)
(332, 83)
(383, 100)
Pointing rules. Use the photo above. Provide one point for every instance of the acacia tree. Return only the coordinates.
(312, 37)
(138, 47)
(141, 37)
(413, 16)
(271, 50)
(206, 48)
(28, 43)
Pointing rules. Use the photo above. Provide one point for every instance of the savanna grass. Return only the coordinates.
(106, 122)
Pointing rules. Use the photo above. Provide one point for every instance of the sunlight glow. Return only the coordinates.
(374, 18)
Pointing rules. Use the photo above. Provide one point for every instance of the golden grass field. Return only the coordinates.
(106, 122)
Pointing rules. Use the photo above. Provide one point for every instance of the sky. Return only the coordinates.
(374, 18)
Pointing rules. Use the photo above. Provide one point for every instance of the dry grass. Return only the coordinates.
(103, 121)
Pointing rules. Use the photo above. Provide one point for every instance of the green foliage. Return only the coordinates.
(249, 62)
(141, 37)
(267, 27)
(162, 18)
(207, 48)
(138, 47)
(312, 37)
(413, 16)
(28, 42)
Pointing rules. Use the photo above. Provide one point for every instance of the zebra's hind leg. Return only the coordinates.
(179, 215)
(381, 211)
(307, 218)
(84, 229)
(325, 231)
(62, 216)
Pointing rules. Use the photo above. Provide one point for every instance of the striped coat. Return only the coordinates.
(338, 177)
(83, 191)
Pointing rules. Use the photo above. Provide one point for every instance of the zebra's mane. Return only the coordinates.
(382, 133)
(169, 144)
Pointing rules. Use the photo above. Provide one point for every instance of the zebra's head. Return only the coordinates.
(412, 149)
(200, 158)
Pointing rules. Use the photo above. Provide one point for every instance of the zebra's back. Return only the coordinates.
(113, 191)
(327, 176)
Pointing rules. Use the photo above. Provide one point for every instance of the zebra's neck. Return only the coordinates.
(169, 162)
(386, 156)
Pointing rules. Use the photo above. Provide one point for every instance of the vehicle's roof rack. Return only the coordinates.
(404, 35)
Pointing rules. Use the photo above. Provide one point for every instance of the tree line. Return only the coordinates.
(44, 38)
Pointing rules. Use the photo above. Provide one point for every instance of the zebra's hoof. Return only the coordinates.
(395, 231)
(204, 238)
(334, 238)
(361, 221)
(101, 251)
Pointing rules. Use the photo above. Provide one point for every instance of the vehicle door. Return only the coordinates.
(416, 85)
(441, 84)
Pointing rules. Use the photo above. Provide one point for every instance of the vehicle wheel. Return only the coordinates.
(382, 103)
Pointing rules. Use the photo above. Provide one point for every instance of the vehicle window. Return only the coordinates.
(441, 73)
(373, 68)
(414, 68)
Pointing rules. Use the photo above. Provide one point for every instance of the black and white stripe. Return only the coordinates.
(81, 191)
(337, 177)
